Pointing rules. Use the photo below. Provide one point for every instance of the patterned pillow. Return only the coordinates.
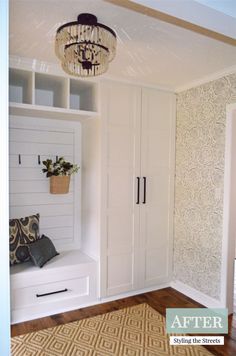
(22, 232)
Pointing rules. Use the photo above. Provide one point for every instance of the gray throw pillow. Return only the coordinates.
(42, 251)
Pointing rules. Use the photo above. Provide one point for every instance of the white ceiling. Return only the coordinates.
(149, 50)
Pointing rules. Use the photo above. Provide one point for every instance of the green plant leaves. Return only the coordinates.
(59, 168)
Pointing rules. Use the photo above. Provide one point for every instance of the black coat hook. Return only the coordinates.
(39, 160)
(19, 159)
(56, 158)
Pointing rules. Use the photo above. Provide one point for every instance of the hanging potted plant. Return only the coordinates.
(59, 173)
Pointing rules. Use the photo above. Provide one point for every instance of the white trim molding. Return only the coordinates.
(134, 292)
(52, 68)
(229, 209)
(36, 65)
(206, 79)
(196, 295)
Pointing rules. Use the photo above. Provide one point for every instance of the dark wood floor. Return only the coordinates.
(159, 300)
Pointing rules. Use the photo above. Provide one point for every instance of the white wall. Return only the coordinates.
(91, 188)
(4, 224)
(229, 221)
(29, 188)
(234, 170)
(232, 216)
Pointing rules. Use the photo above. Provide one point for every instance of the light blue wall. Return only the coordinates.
(227, 7)
(4, 225)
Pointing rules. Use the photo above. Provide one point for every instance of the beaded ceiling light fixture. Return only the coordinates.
(85, 47)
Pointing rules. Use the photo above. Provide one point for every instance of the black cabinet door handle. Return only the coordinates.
(138, 190)
(57, 291)
(144, 190)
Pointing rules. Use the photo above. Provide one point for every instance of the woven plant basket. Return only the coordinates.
(59, 184)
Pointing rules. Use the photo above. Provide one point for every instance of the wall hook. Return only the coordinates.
(56, 158)
(19, 159)
(39, 160)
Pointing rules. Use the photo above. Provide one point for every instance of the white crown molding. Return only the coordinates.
(206, 79)
(197, 295)
(52, 68)
(139, 83)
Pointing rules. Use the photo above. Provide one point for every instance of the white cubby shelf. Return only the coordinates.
(51, 96)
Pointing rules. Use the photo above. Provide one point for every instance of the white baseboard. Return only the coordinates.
(26, 314)
(197, 295)
(134, 292)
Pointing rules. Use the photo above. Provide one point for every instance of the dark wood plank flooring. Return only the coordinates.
(159, 300)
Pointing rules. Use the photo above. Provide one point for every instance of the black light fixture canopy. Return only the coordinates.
(87, 19)
(85, 47)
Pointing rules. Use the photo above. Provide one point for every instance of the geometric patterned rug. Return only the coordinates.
(133, 331)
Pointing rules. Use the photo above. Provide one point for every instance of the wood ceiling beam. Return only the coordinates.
(144, 10)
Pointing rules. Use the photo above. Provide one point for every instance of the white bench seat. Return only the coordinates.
(67, 282)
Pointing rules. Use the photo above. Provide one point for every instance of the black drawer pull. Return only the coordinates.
(138, 189)
(144, 189)
(57, 291)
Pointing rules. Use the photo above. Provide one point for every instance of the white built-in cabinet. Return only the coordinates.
(137, 188)
(48, 115)
(125, 188)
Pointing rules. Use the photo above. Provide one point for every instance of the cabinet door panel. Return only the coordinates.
(119, 230)
(156, 220)
(157, 150)
(157, 164)
(157, 110)
(157, 189)
(120, 273)
(156, 261)
(121, 112)
(120, 187)
(121, 148)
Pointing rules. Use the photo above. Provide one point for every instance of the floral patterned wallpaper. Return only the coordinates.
(200, 147)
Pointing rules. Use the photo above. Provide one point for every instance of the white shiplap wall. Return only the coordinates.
(29, 188)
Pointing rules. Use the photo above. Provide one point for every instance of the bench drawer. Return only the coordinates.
(67, 282)
(50, 292)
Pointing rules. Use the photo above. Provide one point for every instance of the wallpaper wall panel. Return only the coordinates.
(200, 147)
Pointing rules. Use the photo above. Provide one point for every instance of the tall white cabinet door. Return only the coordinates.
(121, 110)
(157, 167)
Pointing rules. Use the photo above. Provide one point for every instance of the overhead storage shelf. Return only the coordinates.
(50, 91)
(20, 86)
(50, 96)
(50, 112)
